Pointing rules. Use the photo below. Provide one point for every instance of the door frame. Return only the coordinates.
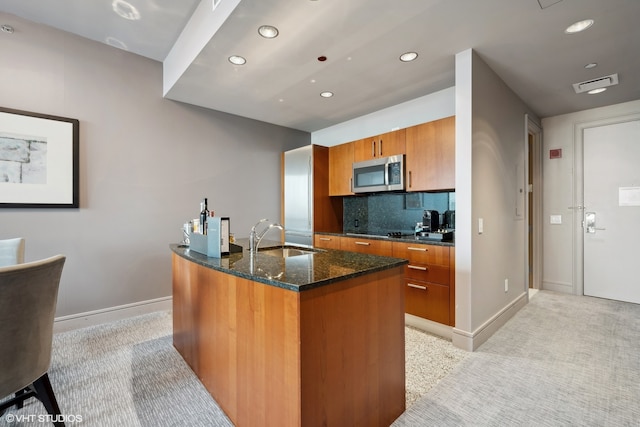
(578, 192)
(534, 262)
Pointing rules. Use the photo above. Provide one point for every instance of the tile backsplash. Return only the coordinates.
(385, 212)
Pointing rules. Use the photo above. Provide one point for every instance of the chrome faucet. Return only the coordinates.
(255, 238)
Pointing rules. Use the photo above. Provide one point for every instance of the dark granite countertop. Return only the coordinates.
(407, 239)
(296, 273)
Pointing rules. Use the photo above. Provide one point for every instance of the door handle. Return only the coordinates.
(590, 223)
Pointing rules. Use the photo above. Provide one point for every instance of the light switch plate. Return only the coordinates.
(555, 219)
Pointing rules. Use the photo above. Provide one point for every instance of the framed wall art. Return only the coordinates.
(39, 164)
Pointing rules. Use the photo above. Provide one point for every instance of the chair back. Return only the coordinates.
(11, 251)
(28, 297)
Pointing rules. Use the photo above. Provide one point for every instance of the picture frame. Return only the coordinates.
(39, 160)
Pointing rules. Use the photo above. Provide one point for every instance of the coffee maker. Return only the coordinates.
(430, 229)
(449, 220)
(430, 221)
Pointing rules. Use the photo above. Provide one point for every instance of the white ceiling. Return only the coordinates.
(522, 40)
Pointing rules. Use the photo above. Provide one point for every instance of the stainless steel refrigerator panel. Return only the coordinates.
(298, 239)
(298, 185)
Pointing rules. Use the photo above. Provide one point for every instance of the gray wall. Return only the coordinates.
(145, 163)
(490, 171)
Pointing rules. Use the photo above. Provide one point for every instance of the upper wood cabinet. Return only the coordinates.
(375, 147)
(430, 160)
(340, 169)
(327, 211)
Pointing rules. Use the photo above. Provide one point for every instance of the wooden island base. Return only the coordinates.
(328, 356)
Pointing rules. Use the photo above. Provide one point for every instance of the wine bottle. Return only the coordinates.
(204, 215)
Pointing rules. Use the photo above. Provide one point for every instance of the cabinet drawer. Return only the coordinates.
(427, 273)
(427, 300)
(326, 241)
(422, 254)
(367, 246)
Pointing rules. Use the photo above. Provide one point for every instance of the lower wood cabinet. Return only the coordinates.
(326, 241)
(429, 277)
(429, 287)
(366, 246)
(427, 300)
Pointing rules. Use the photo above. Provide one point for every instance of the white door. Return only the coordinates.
(612, 211)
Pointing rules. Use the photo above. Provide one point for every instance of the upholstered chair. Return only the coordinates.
(28, 296)
(11, 251)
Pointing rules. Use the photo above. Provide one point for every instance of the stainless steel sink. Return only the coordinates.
(287, 251)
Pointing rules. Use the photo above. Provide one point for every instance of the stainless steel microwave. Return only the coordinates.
(383, 174)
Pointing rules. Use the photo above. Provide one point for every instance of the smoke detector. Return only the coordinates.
(598, 83)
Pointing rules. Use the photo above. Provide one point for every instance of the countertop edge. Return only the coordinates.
(390, 239)
(207, 262)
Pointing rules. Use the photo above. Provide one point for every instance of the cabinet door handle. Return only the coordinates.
(409, 179)
(411, 285)
(373, 148)
(362, 243)
(412, 248)
(417, 267)
(326, 239)
(380, 147)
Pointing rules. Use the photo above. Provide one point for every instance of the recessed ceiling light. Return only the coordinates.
(112, 41)
(7, 29)
(268, 31)
(599, 90)
(237, 60)
(591, 65)
(408, 56)
(125, 10)
(579, 26)
(326, 94)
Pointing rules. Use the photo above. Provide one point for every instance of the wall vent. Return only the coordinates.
(596, 83)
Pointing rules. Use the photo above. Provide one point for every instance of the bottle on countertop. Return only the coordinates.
(204, 214)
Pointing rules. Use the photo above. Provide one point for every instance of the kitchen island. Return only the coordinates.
(304, 340)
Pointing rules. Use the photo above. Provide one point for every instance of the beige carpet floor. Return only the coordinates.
(562, 360)
(127, 373)
(428, 359)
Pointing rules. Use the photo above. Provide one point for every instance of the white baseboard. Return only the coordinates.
(563, 287)
(110, 314)
(471, 341)
(434, 328)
